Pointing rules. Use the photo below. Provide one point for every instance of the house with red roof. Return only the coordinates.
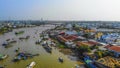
(115, 49)
(67, 40)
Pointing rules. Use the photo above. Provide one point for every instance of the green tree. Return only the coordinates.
(99, 54)
(84, 48)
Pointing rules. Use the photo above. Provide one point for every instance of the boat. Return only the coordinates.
(13, 41)
(31, 65)
(20, 32)
(5, 44)
(27, 37)
(47, 48)
(3, 57)
(60, 59)
(16, 59)
(39, 41)
(77, 66)
(7, 39)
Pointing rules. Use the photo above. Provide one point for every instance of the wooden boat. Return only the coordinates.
(47, 48)
(60, 59)
(27, 37)
(5, 44)
(3, 57)
(31, 65)
(20, 32)
(13, 41)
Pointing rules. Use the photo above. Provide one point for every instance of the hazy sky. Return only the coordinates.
(60, 10)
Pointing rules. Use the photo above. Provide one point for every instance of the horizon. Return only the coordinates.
(60, 10)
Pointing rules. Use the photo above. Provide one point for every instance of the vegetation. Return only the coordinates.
(101, 53)
(84, 48)
(4, 30)
(94, 47)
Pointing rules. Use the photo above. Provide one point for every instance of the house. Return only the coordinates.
(67, 40)
(114, 49)
(79, 43)
(93, 42)
(70, 44)
(61, 39)
(80, 38)
(68, 32)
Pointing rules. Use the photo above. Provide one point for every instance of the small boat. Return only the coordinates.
(31, 65)
(47, 48)
(5, 44)
(60, 59)
(39, 41)
(2, 57)
(16, 59)
(77, 66)
(13, 41)
(20, 32)
(5, 56)
(7, 39)
(27, 37)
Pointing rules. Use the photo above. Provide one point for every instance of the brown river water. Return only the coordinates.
(44, 60)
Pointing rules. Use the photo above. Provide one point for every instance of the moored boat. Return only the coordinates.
(60, 59)
(2, 57)
(31, 65)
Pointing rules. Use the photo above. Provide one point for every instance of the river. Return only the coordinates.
(44, 60)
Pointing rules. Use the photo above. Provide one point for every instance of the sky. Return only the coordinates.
(98, 10)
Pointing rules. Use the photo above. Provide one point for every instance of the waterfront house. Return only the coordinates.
(67, 40)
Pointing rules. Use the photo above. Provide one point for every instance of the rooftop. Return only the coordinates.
(114, 48)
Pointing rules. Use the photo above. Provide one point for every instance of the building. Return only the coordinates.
(114, 49)
(68, 40)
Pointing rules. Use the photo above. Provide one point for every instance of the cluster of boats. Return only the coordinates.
(47, 47)
(8, 42)
(23, 56)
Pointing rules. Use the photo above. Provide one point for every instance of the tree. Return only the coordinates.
(99, 54)
(84, 48)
